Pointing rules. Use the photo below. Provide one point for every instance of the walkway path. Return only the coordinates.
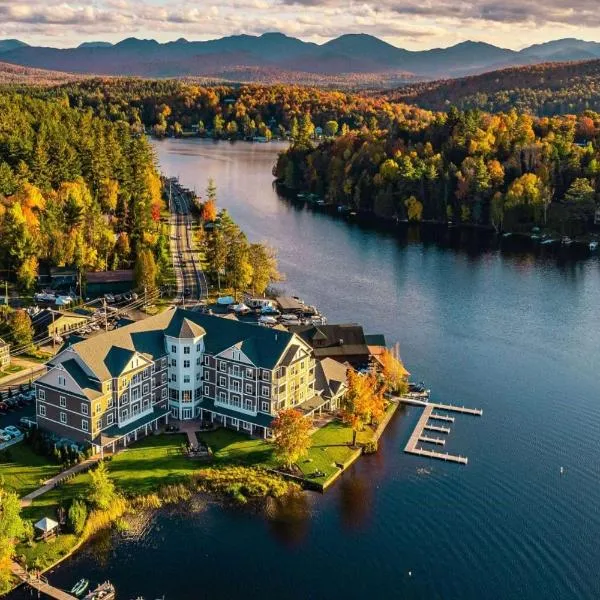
(50, 483)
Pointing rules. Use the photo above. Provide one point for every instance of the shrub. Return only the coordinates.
(77, 516)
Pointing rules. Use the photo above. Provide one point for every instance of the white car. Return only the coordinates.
(4, 437)
(12, 430)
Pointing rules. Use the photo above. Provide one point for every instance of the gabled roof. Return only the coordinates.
(330, 377)
(89, 388)
(106, 353)
(334, 340)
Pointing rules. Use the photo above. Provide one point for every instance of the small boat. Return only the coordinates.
(241, 309)
(593, 246)
(105, 591)
(566, 240)
(548, 241)
(79, 588)
(266, 320)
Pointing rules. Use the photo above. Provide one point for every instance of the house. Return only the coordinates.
(331, 382)
(344, 343)
(51, 323)
(113, 282)
(4, 354)
(109, 390)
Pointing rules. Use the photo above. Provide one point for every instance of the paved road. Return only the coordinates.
(191, 281)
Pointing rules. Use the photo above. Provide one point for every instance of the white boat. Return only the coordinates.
(266, 320)
(241, 309)
(593, 246)
(269, 310)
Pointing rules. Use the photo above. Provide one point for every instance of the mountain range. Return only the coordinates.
(365, 59)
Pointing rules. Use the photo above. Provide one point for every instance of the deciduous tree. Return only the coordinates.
(291, 436)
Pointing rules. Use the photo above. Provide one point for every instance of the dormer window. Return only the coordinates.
(62, 380)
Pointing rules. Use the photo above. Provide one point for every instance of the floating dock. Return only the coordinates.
(418, 435)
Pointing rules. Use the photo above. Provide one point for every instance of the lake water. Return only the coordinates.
(507, 331)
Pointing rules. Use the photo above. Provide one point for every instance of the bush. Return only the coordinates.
(77, 516)
(371, 447)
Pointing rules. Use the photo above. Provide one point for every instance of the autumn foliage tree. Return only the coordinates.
(393, 372)
(291, 436)
(363, 402)
(209, 211)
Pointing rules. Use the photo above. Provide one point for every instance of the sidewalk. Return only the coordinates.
(50, 483)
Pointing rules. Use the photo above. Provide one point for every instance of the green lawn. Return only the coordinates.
(23, 471)
(330, 446)
(231, 447)
(44, 554)
(10, 370)
(154, 461)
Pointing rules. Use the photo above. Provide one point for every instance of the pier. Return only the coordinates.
(40, 584)
(418, 435)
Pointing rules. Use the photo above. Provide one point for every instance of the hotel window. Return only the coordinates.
(164, 377)
(223, 381)
(109, 419)
(109, 386)
(135, 394)
(236, 355)
(186, 349)
(124, 414)
(223, 366)
(62, 380)
(42, 410)
(206, 390)
(234, 422)
(63, 417)
(235, 385)
(302, 365)
(236, 370)
(222, 396)
(174, 349)
(265, 406)
(249, 373)
(197, 376)
(186, 396)
(110, 402)
(265, 391)
(248, 388)
(62, 401)
(247, 426)
(146, 373)
(265, 375)
(186, 364)
(248, 405)
(98, 407)
(236, 401)
(198, 361)
(146, 388)
(206, 360)
(163, 393)
(173, 362)
(84, 425)
(41, 394)
(197, 393)
(198, 347)
(186, 379)
(99, 424)
(163, 363)
(146, 404)
(173, 377)
(84, 409)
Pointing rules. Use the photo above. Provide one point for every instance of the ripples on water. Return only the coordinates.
(513, 333)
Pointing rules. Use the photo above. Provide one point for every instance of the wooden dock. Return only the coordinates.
(430, 440)
(412, 447)
(437, 428)
(40, 584)
(441, 417)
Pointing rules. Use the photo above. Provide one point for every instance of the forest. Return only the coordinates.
(75, 190)
(544, 90)
(509, 171)
(170, 107)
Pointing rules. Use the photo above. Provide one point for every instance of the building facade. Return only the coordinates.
(109, 389)
(4, 354)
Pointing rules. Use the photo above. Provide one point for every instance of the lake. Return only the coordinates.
(510, 331)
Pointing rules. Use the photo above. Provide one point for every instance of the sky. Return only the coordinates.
(412, 24)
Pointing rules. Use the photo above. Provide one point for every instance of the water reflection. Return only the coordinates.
(355, 498)
(288, 518)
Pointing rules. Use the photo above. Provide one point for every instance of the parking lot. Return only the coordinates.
(13, 415)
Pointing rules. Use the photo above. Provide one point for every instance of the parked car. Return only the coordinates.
(4, 437)
(27, 422)
(12, 430)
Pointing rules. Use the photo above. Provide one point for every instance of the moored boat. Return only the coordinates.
(105, 591)
(79, 588)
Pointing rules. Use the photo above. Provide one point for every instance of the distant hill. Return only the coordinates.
(15, 75)
(347, 58)
(95, 45)
(543, 89)
(6, 45)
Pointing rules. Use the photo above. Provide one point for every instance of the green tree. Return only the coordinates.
(146, 271)
(21, 329)
(11, 528)
(77, 516)
(291, 436)
(102, 489)
(263, 261)
(331, 128)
